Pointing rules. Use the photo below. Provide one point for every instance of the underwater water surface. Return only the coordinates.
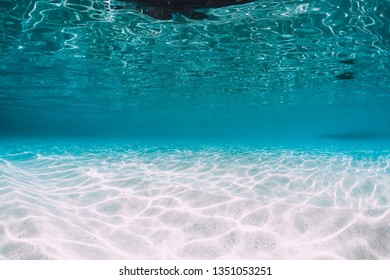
(260, 130)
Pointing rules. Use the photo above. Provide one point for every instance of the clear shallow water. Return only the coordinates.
(263, 68)
(260, 132)
(132, 201)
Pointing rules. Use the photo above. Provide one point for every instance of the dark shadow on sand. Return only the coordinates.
(356, 136)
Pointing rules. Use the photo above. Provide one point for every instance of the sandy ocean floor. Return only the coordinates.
(113, 202)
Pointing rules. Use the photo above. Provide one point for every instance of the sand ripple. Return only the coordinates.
(134, 202)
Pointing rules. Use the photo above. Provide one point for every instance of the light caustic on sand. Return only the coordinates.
(208, 203)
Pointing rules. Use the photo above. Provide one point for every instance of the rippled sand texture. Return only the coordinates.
(208, 203)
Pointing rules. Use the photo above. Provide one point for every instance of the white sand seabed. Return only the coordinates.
(193, 204)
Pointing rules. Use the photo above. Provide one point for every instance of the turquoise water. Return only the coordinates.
(261, 70)
(261, 131)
